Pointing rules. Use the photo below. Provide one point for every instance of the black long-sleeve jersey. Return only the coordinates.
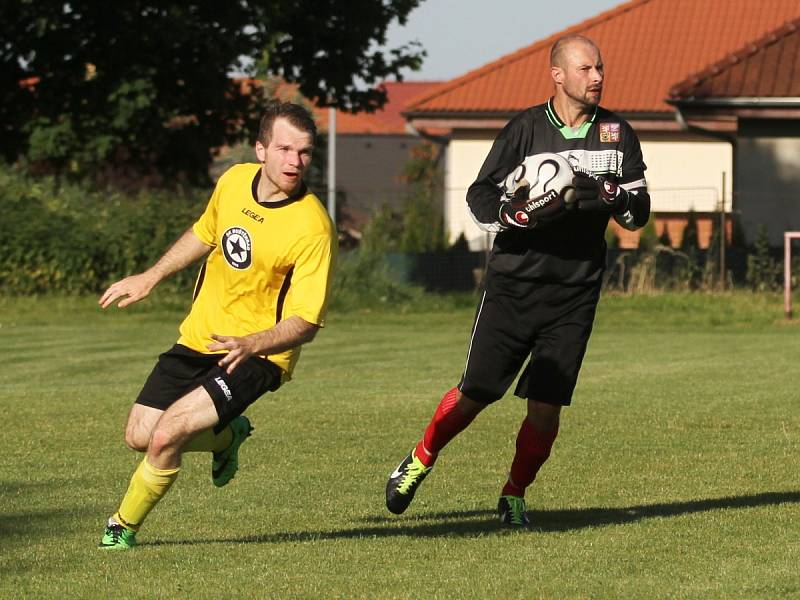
(571, 250)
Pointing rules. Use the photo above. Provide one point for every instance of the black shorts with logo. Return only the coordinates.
(516, 319)
(179, 370)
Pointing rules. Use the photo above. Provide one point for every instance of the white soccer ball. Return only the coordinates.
(541, 173)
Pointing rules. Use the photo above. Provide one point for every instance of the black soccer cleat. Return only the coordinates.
(511, 510)
(403, 483)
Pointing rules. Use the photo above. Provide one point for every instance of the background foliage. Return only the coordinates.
(61, 236)
(143, 90)
(419, 226)
(67, 237)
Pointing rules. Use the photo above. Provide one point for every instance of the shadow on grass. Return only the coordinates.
(476, 523)
(39, 524)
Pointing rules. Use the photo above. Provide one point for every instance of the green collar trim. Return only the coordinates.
(567, 132)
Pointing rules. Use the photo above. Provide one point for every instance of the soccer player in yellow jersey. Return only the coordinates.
(261, 293)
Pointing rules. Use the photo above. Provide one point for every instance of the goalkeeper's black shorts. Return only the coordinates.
(548, 323)
(179, 370)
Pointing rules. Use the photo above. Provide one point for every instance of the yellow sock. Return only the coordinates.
(148, 485)
(208, 441)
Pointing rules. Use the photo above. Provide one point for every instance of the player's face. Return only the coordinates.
(286, 158)
(582, 74)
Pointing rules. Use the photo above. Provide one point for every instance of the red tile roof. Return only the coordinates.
(767, 67)
(647, 46)
(388, 120)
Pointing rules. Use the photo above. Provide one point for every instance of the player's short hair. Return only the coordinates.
(296, 114)
(559, 47)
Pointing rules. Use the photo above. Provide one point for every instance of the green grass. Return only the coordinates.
(675, 474)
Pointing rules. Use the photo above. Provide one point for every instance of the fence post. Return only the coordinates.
(788, 236)
(332, 164)
(722, 236)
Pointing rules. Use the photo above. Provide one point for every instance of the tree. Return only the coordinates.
(419, 225)
(763, 271)
(423, 223)
(690, 246)
(146, 86)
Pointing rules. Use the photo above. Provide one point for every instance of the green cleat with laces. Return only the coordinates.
(117, 537)
(511, 510)
(225, 464)
(403, 483)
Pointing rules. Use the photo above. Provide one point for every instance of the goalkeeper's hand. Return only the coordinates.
(592, 192)
(525, 213)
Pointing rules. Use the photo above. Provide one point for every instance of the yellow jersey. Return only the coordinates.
(269, 261)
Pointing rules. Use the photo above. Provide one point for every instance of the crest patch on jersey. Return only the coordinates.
(609, 132)
(236, 247)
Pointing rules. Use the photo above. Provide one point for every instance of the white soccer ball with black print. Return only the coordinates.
(540, 174)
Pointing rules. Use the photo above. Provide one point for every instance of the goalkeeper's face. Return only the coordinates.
(286, 156)
(582, 73)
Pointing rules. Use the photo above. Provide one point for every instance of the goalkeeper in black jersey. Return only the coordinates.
(544, 274)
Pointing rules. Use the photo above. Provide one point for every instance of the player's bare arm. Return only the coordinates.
(186, 250)
(290, 333)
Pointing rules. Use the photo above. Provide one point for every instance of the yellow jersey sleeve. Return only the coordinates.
(311, 280)
(205, 227)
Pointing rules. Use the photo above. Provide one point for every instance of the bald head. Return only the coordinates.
(562, 47)
(577, 71)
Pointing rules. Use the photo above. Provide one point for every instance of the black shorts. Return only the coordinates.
(179, 370)
(548, 322)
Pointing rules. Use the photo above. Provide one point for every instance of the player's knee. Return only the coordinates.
(542, 416)
(467, 405)
(162, 440)
(136, 439)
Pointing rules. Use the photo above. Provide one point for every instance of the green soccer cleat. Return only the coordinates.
(511, 510)
(117, 537)
(403, 483)
(225, 464)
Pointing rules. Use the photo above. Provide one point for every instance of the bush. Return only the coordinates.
(69, 238)
(364, 279)
(763, 271)
(419, 226)
(648, 238)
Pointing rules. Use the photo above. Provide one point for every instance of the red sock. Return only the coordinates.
(446, 423)
(533, 449)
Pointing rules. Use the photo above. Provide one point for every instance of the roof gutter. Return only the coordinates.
(686, 126)
(737, 102)
(740, 102)
(436, 139)
(462, 114)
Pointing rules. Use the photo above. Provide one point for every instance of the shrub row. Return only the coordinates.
(68, 238)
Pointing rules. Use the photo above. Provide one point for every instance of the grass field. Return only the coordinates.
(676, 474)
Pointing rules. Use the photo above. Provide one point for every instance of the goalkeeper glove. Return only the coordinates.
(524, 212)
(593, 192)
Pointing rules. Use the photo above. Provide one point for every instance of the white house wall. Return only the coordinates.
(684, 172)
(465, 155)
